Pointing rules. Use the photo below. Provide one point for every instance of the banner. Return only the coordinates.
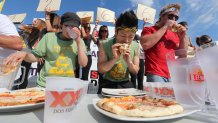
(105, 15)
(147, 13)
(54, 5)
(2, 3)
(17, 18)
(86, 16)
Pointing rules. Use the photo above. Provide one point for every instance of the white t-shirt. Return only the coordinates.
(7, 27)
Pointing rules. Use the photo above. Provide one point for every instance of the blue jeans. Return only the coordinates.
(155, 78)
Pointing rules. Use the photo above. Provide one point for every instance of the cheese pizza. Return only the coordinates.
(140, 106)
(23, 96)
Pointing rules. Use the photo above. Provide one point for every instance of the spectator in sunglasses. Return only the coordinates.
(161, 39)
(204, 39)
(102, 33)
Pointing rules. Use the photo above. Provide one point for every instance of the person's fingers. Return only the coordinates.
(8, 60)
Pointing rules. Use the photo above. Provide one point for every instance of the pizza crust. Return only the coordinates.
(147, 111)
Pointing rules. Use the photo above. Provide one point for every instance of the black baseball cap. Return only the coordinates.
(70, 18)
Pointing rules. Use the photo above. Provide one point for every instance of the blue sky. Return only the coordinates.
(201, 15)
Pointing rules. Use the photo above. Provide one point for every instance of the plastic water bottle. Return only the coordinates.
(71, 33)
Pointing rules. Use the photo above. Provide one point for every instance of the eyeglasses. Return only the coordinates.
(104, 31)
(171, 16)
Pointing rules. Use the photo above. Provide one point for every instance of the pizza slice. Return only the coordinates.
(20, 97)
(123, 48)
(140, 106)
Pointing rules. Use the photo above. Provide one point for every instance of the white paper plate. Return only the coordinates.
(21, 107)
(123, 92)
(186, 112)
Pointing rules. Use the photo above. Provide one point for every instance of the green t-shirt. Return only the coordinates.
(119, 71)
(60, 56)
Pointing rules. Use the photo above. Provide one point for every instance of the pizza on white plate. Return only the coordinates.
(140, 106)
(23, 96)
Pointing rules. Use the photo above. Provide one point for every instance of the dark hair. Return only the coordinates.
(203, 39)
(183, 23)
(137, 37)
(100, 30)
(87, 25)
(55, 20)
(127, 19)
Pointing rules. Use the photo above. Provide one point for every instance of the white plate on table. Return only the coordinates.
(21, 107)
(123, 92)
(187, 111)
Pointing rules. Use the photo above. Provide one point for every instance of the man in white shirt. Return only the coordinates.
(9, 37)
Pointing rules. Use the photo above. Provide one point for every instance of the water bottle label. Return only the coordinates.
(197, 74)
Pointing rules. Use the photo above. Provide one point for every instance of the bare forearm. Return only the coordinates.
(93, 35)
(83, 33)
(11, 42)
(133, 68)
(30, 58)
(183, 44)
(82, 57)
(104, 67)
(148, 41)
(48, 25)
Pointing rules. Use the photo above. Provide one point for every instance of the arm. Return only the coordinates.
(31, 58)
(94, 32)
(103, 64)
(133, 66)
(148, 41)
(47, 21)
(183, 38)
(83, 33)
(144, 22)
(18, 57)
(11, 42)
(82, 57)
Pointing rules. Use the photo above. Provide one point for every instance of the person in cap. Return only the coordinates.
(119, 56)
(162, 39)
(58, 49)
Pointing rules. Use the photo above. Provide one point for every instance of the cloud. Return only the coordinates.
(194, 4)
(134, 3)
(102, 2)
(205, 13)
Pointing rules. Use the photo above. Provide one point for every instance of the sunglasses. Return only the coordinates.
(204, 42)
(171, 16)
(104, 31)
